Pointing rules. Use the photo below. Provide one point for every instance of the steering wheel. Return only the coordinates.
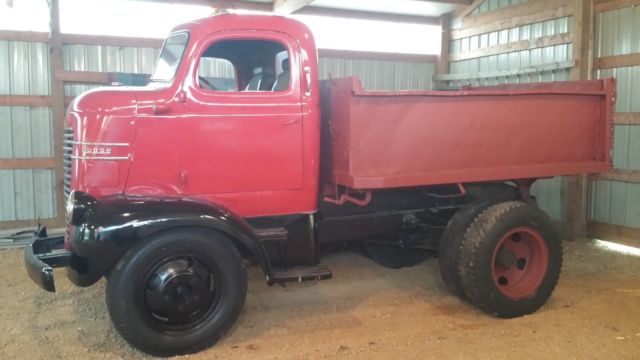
(206, 84)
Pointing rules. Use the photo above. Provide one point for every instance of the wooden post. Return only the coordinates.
(443, 58)
(57, 105)
(576, 201)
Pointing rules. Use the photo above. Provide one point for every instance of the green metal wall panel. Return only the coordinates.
(617, 202)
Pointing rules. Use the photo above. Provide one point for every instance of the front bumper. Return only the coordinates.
(44, 254)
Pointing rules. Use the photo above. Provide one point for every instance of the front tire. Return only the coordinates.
(510, 259)
(178, 292)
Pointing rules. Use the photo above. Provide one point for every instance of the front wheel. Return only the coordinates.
(510, 259)
(177, 292)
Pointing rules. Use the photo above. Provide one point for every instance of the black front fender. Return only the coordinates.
(113, 224)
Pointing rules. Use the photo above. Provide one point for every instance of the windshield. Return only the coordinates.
(170, 56)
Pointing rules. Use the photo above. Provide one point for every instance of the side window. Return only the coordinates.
(245, 66)
(217, 74)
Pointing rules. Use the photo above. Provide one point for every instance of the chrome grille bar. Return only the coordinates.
(67, 153)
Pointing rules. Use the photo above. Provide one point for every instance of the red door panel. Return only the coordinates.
(245, 148)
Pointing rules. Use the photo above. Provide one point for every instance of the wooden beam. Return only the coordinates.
(443, 58)
(615, 233)
(27, 163)
(289, 6)
(577, 196)
(521, 45)
(82, 77)
(370, 55)
(119, 41)
(29, 36)
(608, 5)
(453, 2)
(31, 224)
(369, 15)
(503, 23)
(627, 118)
(25, 100)
(616, 61)
(630, 176)
(56, 64)
(515, 72)
(526, 8)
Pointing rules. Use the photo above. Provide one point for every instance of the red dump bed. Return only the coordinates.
(380, 139)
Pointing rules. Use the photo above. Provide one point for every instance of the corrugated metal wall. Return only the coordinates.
(550, 193)
(613, 202)
(517, 59)
(25, 132)
(379, 74)
(106, 59)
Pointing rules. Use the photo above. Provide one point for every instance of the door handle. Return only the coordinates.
(159, 108)
(290, 122)
(307, 77)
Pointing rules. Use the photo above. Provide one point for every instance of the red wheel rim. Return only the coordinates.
(519, 262)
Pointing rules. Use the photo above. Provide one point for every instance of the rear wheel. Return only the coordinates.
(177, 292)
(510, 259)
(449, 247)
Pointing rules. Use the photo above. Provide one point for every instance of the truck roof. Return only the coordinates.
(230, 21)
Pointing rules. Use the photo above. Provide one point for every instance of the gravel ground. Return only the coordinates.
(365, 312)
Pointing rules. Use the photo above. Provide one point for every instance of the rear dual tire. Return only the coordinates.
(507, 261)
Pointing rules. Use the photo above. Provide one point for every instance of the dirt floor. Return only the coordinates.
(365, 312)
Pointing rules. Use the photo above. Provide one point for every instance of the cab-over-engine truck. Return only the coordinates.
(173, 187)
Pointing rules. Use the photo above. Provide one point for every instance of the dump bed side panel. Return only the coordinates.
(396, 139)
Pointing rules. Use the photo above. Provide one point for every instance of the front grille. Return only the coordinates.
(67, 151)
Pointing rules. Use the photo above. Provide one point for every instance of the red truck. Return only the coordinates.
(236, 152)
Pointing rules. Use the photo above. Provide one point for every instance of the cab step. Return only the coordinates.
(301, 273)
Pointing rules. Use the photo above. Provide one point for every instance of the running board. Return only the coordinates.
(302, 273)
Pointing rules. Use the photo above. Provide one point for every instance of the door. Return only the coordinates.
(243, 131)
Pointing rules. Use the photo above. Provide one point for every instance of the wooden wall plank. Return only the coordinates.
(27, 163)
(370, 55)
(30, 224)
(443, 58)
(30, 36)
(630, 176)
(608, 5)
(526, 8)
(615, 61)
(25, 100)
(615, 233)
(503, 73)
(521, 45)
(82, 77)
(510, 22)
(464, 11)
(627, 118)
(58, 109)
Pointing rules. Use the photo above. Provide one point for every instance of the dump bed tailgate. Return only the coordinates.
(381, 139)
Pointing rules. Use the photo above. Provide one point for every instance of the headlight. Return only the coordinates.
(69, 207)
(79, 206)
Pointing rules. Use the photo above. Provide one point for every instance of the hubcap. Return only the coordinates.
(180, 292)
(520, 262)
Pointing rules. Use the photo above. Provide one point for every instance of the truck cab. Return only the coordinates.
(231, 116)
